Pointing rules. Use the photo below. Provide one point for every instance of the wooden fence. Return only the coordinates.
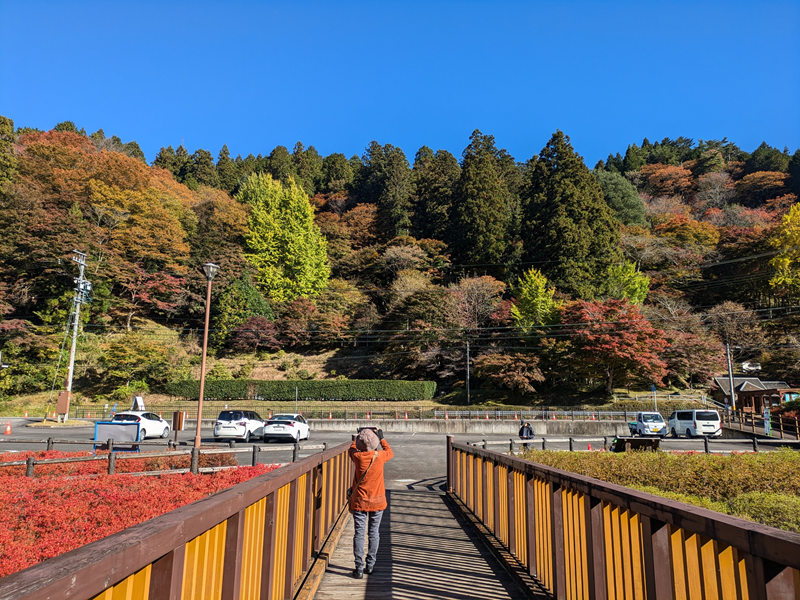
(254, 540)
(583, 538)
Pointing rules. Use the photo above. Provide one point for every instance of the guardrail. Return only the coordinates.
(585, 538)
(113, 457)
(542, 443)
(254, 540)
(775, 426)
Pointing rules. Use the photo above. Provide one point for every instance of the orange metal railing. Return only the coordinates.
(255, 540)
(582, 538)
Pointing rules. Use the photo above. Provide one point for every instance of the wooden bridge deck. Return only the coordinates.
(425, 553)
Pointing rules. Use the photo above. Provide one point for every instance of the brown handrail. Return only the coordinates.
(255, 539)
(585, 538)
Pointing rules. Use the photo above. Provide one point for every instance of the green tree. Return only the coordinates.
(69, 126)
(622, 198)
(280, 165)
(8, 162)
(794, 172)
(634, 159)
(624, 282)
(336, 174)
(767, 158)
(165, 159)
(435, 178)
(535, 304)
(569, 228)
(283, 244)
(479, 223)
(240, 301)
(203, 170)
(227, 172)
(385, 180)
(307, 167)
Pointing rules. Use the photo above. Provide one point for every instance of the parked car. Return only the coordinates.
(150, 424)
(649, 423)
(693, 423)
(238, 425)
(291, 426)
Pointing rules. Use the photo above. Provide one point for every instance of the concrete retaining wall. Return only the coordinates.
(477, 426)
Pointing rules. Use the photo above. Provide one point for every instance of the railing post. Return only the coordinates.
(268, 546)
(755, 444)
(557, 541)
(295, 452)
(512, 512)
(595, 548)
(318, 508)
(29, 466)
(112, 463)
(308, 520)
(705, 443)
(195, 464)
(496, 498)
(166, 576)
(49, 444)
(544, 444)
(450, 478)
(657, 569)
(571, 445)
(291, 542)
(256, 450)
(780, 425)
(234, 545)
(530, 517)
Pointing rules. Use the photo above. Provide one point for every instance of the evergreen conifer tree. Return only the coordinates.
(226, 170)
(240, 301)
(203, 169)
(622, 198)
(435, 177)
(480, 205)
(569, 231)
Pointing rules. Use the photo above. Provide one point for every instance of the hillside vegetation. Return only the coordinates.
(560, 279)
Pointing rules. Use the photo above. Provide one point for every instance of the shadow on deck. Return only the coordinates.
(427, 551)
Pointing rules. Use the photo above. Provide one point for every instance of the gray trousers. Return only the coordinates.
(360, 520)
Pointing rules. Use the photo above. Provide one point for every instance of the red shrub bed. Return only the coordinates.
(42, 517)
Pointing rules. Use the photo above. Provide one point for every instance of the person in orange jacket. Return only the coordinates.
(369, 452)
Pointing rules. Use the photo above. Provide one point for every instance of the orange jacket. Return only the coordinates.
(371, 494)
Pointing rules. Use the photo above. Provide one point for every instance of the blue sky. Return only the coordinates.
(339, 74)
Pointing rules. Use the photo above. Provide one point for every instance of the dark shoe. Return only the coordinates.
(368, 570)
(358, 574)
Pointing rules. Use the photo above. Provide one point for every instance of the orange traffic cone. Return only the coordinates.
(515, 416)
(593, 419)
(269, 416)
(446, 416)
(159, 414)
(487, 416)
(554, 417)
(590, 446)
(26, 414)
(8, 428)
(367, 415)
(406, 415)
(330, 414)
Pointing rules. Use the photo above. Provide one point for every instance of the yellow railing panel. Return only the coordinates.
(708, 562)
(281, 536)
(133, 587)
(520, 519)
(252, 551)
(203, 562)
(503, 500)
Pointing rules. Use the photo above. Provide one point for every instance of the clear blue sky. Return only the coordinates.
(339, 74)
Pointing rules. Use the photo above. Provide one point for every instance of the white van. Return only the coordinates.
(693, 423)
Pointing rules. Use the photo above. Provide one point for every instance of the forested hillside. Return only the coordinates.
(557, 276)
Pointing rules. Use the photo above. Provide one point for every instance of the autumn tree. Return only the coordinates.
(535, 304)
(283, 244)
(476, 300)
(667, 180)
(757, 188)
(569, 229)
(516, 371)
(613, 341)
(714, 190)
(626, 283)
(738, 327)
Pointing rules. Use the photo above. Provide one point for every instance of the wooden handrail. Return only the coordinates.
(609, 541)
(247, 540)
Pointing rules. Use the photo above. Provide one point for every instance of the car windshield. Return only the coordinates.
(230, 415)
(706, 415)
(125, 418)
(652, 418)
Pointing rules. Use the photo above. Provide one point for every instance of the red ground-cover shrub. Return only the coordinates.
(42, 517)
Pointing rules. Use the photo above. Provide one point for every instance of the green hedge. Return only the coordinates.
(348, 389)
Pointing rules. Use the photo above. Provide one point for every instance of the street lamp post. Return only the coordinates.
(210, 270)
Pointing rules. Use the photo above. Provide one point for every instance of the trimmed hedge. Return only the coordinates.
(346, 389)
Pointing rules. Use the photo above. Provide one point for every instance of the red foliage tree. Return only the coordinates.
(613, 340)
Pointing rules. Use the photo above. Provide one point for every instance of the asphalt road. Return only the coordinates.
(419, 460)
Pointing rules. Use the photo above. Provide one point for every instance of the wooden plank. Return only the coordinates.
(234, 542)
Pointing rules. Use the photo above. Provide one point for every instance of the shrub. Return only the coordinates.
(346, 389)
(776, 510)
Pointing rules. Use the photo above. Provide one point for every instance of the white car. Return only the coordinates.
(150, 424)
(238, 425)
(649, 423)
(290, 426)
(693, 423)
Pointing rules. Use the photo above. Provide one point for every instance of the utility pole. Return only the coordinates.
(82, 290)
(730, 376)
(467, 373)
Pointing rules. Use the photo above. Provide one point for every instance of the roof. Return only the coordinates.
(748, 384)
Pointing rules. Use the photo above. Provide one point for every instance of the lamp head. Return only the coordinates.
(210, 270)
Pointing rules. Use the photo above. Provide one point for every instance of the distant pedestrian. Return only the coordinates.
(368, 495)
(526, 431)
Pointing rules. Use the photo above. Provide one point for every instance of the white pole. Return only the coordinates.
(80, 258)
(295, 398)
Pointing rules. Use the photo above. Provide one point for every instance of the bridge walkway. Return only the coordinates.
(427, 552)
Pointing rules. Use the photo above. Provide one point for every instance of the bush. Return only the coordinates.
(348, 389)
(775, 510)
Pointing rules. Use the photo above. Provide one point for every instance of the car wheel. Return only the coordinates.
(674, 433)
(308, 435)
(689, 433)
(265, 439)
(142, 435)
(165, 433)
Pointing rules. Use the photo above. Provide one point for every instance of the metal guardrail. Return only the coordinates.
(112, 457)
(776, 426)
(584, 538)
(254, 540)
(708, 442)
